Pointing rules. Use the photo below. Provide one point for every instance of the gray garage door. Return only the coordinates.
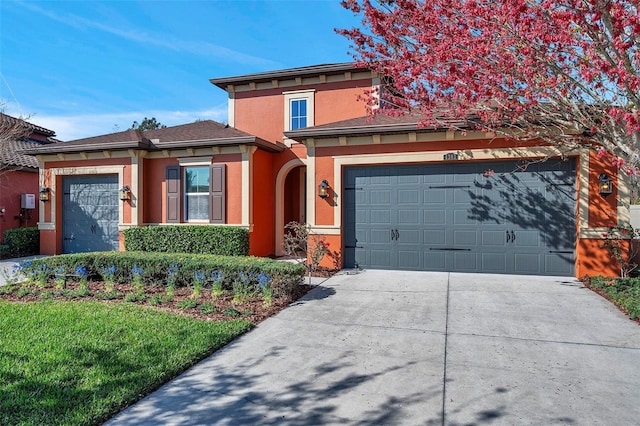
(90, 213)
(507, 217)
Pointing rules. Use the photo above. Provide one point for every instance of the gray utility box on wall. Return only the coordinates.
(27, 201)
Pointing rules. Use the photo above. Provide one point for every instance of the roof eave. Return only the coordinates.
(221, 142)
(223, 82)
(103, 146)
(353, 131)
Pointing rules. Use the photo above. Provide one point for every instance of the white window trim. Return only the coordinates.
(185, 193)
(309, 96)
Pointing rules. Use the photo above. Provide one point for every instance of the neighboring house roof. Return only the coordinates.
(326, 69)
(206, 133)
(11, 121)
(377, 124)
(11, 154)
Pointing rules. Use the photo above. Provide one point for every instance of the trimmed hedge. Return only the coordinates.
(21, 242)
(155, 268)
(217, 240)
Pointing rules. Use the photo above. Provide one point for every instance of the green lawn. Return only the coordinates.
(80, 363)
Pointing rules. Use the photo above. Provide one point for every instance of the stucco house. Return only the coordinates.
(19, 182)
(384, 192)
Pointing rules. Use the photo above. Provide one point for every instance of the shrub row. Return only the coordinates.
(154, 268)
(624, 292)
(20, 242)
(218, 240)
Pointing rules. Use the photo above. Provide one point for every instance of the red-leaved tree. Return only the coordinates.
(566, 72)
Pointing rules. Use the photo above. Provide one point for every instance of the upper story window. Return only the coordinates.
(298, 109)
(298, 114)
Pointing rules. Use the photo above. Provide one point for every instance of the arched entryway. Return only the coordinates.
(290, 198)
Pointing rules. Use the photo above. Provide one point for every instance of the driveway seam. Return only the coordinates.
(444, 369)
(554, 342)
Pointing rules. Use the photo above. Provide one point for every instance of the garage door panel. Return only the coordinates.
(380, 216)
(558, 264)
(495, 216)
(408, 217)
(408, 196)
(463, 217)
(465, 238)
(434, 260)
(380, 197)
(494, 262)
(379, 236)
(380, 258)
(433, 237)
(465, 261)
(526, 263)
(434, 217)
(526, 239)
(493, 238)
(408, 236)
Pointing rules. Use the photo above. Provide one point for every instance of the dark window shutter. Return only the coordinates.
(217, 193)
(173, 194)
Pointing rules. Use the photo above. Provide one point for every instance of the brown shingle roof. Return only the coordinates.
(376, 124)
(199, 134)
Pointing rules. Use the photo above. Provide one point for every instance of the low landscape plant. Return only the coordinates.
(83, 277)
(216, 288)
(108, 276)
(156, 266)
(60, 277)
(624, 292)
(198, 284)
(136, 279)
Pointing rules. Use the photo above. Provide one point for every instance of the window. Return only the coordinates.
(298, 114)
(196, 194)
(298, 109)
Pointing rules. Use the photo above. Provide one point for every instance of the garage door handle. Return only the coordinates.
(508, 237)
(68, 238)
(513, 237)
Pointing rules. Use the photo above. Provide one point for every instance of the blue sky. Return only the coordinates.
(85, 68)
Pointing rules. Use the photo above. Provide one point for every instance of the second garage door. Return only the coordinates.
(90, 213)
(493, 217)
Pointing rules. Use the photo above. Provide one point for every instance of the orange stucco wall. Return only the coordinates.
(603, 209)
(261, 112)
(261, 239)
(12, 184)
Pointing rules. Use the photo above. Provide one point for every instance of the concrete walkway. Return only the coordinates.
(419, 348)
(7, 270)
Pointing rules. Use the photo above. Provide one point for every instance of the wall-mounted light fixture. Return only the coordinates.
(323, 189)
(124, 193)
(44, 194)
(604, 184)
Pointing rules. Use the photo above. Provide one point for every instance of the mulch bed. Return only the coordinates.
(252, 310)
